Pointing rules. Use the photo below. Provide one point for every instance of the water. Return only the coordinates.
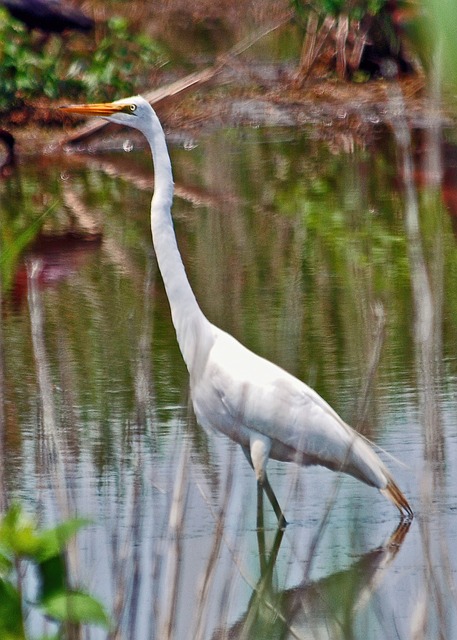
(304, 251)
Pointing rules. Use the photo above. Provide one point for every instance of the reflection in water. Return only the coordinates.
(427, 331)
(50, 451)
(428, 318)
(323, 609)
(55, 258)
(313, 253)
(310, 609)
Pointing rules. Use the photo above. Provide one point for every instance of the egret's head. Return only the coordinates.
(130, 112)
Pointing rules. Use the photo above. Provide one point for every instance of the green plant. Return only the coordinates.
(22, 541)
(24, 71)
(356, 9)
(122, 61)
(118, 64)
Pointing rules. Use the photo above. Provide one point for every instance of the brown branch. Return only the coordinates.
(360, 40)
(341, 40)
(312, 48)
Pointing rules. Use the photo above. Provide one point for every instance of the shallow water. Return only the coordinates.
(314, 255)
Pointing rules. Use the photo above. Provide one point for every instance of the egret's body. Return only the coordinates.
(266, 410)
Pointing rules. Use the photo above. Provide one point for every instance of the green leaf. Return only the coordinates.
(11, 626)
(18, 533)
(76, 607)
(53, 577)
(53, 541)
(6, 564)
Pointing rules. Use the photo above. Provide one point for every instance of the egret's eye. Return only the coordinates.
(129, 108)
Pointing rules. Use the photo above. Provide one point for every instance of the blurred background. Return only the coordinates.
(314, 155)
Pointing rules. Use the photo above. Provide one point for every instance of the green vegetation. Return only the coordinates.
(356, 10)
(14, 240)
(119, 63)
(23, 542)
(441, 32)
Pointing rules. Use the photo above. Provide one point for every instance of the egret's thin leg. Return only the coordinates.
(261, 529)
(259, 506)
(276, 545)
(282, 522)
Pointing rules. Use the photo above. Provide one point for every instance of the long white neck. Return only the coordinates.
(193, 330)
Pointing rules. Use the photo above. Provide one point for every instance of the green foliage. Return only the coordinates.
(74, 607)
(442, 17)
(11, 623)
(13, 242)
(356, 9)
(353, 9)
(28, 70)
(22, 541)
(120, 62)
(23, 71)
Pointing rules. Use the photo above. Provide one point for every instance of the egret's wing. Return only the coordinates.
(258, 396)
(265, 398)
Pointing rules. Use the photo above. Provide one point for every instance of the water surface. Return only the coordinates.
(312, 254)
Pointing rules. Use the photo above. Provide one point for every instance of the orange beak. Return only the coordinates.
(100, 109)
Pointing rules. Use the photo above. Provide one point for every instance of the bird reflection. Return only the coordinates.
(326, 608)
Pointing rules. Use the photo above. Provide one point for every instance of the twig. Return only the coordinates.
(324, 31)
(341, 39)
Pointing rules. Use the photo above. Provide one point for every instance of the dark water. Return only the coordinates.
(315, 255)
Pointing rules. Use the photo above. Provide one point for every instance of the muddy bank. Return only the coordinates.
(248, 95)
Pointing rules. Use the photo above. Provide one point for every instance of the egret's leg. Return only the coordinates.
(259, 520)
(260, 529)
(257, 456)
(282, 522)
(259, 506)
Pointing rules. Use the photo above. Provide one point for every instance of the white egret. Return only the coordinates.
(266, 410)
